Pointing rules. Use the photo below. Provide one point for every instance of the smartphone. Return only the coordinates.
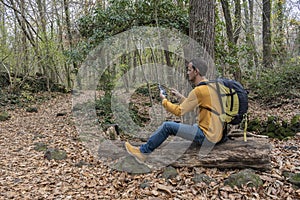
(162, 90)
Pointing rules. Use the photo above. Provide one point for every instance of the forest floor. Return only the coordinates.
(26, 174)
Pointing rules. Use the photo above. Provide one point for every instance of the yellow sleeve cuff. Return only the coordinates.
(164, 101)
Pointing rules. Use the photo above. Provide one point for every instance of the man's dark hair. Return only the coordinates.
(201, 65)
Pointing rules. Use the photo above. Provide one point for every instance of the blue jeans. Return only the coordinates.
(189, 132)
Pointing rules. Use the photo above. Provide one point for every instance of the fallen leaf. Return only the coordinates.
(164, 188)
(155, 192)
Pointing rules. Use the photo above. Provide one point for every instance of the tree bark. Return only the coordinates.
(44, 51)
(61, 48)
(228, 20)
(255, 153)
(202, 30)
(3, 30)
(68, 22)
(252, 57)
(69, 33)
(298, 41)
(24, 46)
(267, 56)
(252, 38)
(233, 154)
(237, 20)
(279, 35)
(202, 23)
(233, 32)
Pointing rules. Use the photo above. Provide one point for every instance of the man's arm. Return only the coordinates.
(178, 95)
(188, 104)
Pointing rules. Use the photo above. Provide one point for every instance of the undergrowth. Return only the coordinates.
(276, 84)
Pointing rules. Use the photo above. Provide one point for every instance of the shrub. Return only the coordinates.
(278, 83)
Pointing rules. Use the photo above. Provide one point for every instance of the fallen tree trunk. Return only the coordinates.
(255, 153)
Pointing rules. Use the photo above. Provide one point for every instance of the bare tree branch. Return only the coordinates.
(16, 11)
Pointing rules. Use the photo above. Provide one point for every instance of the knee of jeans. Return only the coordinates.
(166, 125)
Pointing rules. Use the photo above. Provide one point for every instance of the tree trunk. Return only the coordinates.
(279, 35)
(233, 33)
(228, 20)
(236, 34)
(255, 153)
(44, 51)
(254, 48)
(3, 31)
(24, 46)
(247, 33)
(62, 77)
(202, 30)
(167, 56)
(202, 23)
(233, 154)
(298, 41)
(237, 20)
(69, 33)
(267, 56)
(252, 57)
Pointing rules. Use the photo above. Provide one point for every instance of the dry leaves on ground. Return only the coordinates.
(25, 174)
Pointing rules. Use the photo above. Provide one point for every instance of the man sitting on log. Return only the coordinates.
(209, 127)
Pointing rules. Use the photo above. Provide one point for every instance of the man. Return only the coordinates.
(209, 125)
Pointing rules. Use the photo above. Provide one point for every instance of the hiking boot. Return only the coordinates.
(135, 152)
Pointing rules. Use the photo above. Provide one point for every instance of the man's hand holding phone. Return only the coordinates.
(163, 94)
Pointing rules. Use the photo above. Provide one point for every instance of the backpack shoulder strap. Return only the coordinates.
(225, 130)
(217, 82)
